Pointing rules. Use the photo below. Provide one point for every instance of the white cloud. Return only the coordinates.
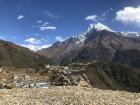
(104, 14)
(32, 41)
(91, 17)
(129, 15)
(39, 21)
(1, 37)
(36, 47)
(40, 24)
(111, 9)
(47, 28)
(35, 44)
(45, 46)
(20, 17)
(43, 40)
(59, 38)
(50, 14)
(45, 24)
(95, 18)
(107, 11)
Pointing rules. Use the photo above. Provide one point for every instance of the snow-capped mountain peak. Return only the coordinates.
(98, 27)
(130, 34)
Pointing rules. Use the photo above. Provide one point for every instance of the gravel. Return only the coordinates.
(68, 95)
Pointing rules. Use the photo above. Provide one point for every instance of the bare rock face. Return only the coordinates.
(98, 43)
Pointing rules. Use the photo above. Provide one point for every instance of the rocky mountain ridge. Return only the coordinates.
(98, 43)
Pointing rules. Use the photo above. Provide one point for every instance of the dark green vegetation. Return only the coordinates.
(14, 55)
(113, 76)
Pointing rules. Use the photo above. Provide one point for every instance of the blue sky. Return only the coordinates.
(39, 23)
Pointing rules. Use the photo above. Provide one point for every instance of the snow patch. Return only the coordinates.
(80, 39)
(98, 27)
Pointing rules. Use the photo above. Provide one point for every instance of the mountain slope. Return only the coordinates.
(14, 55)
(60, 50)
(113, 76)
(127, 57)
(98, 43)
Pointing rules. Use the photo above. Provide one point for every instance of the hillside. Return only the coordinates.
(15, 55)
(112, 76)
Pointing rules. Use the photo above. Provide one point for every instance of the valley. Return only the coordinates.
(99, 66)
(92, 83)
(69, 52)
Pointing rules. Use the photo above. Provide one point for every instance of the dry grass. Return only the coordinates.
(68, 96)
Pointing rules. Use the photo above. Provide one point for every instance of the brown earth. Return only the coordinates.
(68, 96)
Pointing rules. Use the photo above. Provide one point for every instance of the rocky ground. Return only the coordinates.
(72, 95)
